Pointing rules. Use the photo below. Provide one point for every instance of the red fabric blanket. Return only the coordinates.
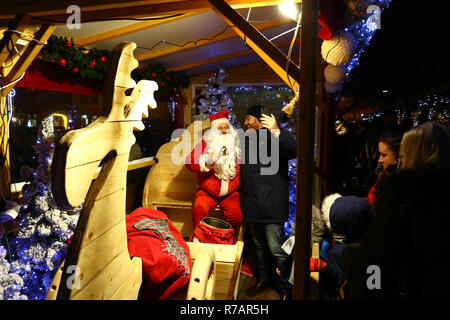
(166, 261)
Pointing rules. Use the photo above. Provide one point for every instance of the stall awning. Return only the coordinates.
(44, 75)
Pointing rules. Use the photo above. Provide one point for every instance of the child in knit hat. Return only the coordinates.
(347, 218)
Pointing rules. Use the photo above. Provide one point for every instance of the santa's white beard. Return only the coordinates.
(217, 143)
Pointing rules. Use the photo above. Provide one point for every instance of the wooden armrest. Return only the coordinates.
(223, 252)
(133, 165)
(173, 204)
(179, 201)
(203, 277)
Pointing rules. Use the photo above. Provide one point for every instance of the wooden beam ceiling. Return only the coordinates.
(27, 56)
(19, 24)
(224, 57)
(273, 56)
(55, 11)
(225, 36)
(38, 7)
(135, 27)
(248, 74)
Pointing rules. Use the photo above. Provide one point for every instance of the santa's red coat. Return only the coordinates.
(206, 179)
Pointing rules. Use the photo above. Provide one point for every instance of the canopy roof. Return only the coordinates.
(194, 40)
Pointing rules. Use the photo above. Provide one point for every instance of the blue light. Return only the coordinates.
(363, 33)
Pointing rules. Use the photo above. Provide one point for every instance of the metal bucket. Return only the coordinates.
(216, 223)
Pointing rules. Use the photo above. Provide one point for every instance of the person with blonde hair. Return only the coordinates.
(401, 255)
(425, 146)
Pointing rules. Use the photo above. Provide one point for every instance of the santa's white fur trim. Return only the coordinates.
(215, 123)
(326, 206)
(223, 188)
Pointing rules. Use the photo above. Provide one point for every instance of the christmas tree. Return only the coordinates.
(10, 283)
(214, 98)
(40, 247)
(292, 182)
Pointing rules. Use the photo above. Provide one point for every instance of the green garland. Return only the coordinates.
(93, 63)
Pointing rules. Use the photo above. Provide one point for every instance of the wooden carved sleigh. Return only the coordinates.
(98, 249)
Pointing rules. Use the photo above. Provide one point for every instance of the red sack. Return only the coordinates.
(207, 234)
(166, 261)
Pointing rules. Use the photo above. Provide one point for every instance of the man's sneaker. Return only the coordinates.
(259, 287)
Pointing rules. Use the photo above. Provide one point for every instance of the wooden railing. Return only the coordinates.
(16, 188)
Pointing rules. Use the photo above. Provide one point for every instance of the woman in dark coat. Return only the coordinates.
(264, 192)
(402, 255)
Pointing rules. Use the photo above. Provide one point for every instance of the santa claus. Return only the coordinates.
(215, 160)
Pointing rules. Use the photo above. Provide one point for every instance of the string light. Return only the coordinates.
(363, 32)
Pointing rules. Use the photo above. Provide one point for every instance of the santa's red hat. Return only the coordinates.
(219, 117)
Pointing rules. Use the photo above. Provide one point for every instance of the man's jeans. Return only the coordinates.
(271, 236)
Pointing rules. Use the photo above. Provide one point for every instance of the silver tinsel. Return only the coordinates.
(41, 244)
(10, 282)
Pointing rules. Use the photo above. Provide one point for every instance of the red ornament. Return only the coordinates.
(102, 58)
(69, 43)
(75, 70)
(162, 83)
(92, 63)
(168, 78)
(154, 75)
(62, 62)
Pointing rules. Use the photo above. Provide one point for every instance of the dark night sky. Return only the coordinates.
(410, 53)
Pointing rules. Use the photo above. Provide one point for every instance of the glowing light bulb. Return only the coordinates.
(289, 9)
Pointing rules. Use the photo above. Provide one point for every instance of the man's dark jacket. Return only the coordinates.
(265, 198)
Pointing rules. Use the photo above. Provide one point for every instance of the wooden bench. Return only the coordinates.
(170, 187)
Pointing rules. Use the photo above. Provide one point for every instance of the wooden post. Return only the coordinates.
(27, 57)
(19, 24)
(4, 157)
(305, 146)
(11, 71)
